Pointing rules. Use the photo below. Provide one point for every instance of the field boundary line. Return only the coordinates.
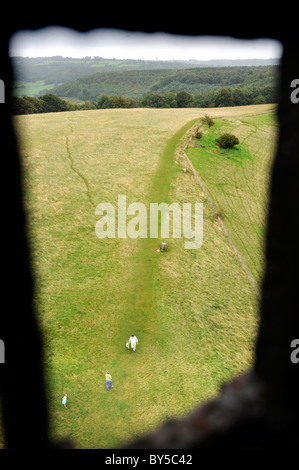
(77, 172)
(240, 258)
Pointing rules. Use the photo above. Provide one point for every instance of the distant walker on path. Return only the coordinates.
(133, 341)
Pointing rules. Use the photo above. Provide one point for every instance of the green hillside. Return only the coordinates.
(34, 75)
(194, 311)
(136, 84)
(235, 180)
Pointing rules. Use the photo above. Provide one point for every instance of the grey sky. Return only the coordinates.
(120, 44)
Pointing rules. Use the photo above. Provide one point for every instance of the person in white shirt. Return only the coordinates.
(133, 341)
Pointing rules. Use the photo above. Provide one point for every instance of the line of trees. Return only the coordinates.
(182, 99)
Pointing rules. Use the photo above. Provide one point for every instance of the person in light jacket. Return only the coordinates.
(133, 341)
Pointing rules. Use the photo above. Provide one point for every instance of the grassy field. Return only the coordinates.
(193, 311)
(22, 88)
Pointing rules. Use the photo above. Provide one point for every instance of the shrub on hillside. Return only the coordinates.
(198, 134)
(207, 120)
(227, 140)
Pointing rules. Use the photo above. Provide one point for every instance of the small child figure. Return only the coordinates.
(108, 380)
(127, 345)
(64, 400)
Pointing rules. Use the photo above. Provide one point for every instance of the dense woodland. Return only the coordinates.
(139, 83)
(224, 97)
(200, 87)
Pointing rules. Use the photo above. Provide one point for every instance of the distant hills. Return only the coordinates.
(138, 83)
(46, 68)
(89, 78)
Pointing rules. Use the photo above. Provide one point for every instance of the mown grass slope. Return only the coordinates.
(237, 179)
(193, 311)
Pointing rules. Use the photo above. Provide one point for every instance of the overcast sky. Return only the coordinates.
(119, 44)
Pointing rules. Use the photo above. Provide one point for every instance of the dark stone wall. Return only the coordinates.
(279, 310)
(255, 410)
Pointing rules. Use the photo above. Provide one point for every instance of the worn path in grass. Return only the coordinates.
(147, 255)
(140, 313)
